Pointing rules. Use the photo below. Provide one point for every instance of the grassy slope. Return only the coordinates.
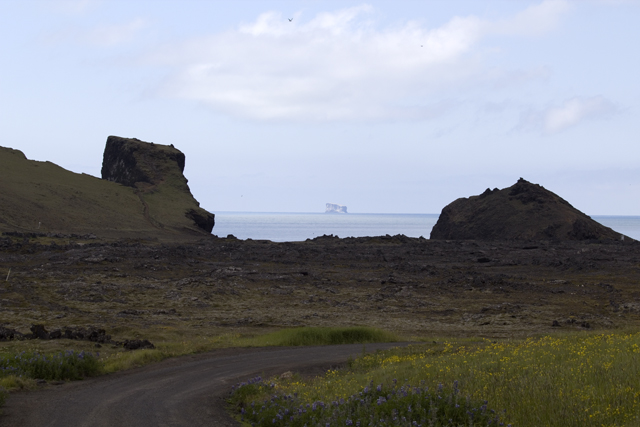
(169, 197)
(43, 197)
(34, 192)
(169, 202)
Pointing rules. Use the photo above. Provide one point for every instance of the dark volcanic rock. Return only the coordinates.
(128, 161)
(39, 331)
(524, 211)
(202, 219)
(137, 344)
(7, 334)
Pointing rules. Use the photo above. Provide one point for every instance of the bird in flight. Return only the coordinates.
(290, 19)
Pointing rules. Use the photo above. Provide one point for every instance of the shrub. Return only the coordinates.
(67, 365)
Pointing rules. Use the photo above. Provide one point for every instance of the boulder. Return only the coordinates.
(7, 334)
(524, 211)
(39, 332)
(87, 334)
(137, 344)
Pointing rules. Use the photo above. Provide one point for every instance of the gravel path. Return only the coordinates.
(185, 391)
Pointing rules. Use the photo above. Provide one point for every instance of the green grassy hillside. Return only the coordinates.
(45, 198)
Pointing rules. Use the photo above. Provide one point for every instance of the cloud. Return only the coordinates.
(72, 6)
(111, 35)
(536, 20)
(338, 65)
(105, 35)
(570, 113)
(615, 2)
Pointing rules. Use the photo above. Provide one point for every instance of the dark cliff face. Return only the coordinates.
(129, 160)
(156, 172)
(524, 211)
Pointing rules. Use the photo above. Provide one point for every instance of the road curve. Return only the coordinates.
(184, 391)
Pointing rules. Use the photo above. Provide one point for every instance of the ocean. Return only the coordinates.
(292, 227)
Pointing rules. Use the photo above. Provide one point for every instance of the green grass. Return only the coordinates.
(571, 380)
(322, 336)
(69, 365)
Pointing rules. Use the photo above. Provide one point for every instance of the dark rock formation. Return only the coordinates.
(202, 219)
(38, 331)
(524, 211)
(96, 335)
(137, 344)
(71, 333)
(150, 169)
(8, 334)
(128, 161)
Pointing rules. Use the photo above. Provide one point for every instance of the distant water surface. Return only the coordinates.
(627, 225)
(291, 227)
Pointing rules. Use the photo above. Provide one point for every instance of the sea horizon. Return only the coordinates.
(382, 213)
(300, 226)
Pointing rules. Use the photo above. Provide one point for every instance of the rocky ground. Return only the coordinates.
(413, 286)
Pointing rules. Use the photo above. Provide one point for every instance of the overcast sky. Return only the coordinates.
(383, 106)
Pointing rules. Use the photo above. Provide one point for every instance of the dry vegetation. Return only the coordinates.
(414, 287)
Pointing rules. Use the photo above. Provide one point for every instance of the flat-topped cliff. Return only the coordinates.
(155, 171)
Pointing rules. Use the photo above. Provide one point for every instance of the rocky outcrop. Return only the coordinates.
(201, 218)
(129, 161)
(153, 169)
(524, 211)
(137, 344)
(333, 208)
(96, 335)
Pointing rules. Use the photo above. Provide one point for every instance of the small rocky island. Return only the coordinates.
(333, 208)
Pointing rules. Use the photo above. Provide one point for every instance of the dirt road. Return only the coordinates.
(186, 391)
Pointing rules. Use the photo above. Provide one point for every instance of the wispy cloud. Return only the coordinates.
(616, 2)
(570, 113)
(338, 65)
(72, 6)
(103, 35)
(114, 34)
(537, 19)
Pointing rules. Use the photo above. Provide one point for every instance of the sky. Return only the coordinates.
(383, 106)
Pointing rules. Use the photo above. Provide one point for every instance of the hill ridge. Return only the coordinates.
(46, 198)
(524, 211)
